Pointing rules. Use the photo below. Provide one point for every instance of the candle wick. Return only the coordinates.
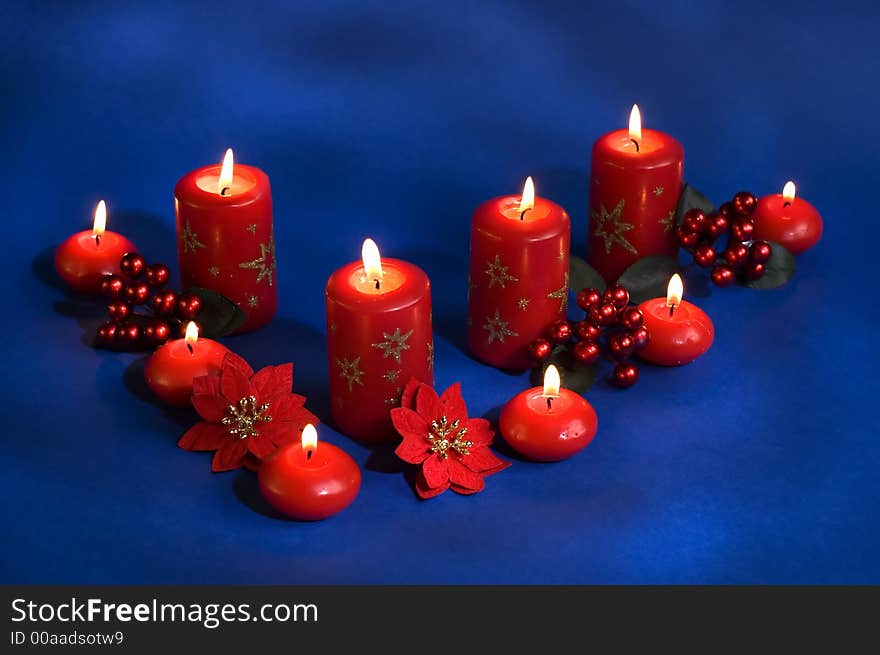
(636, 144)
(671, 310)
(786, 203)
(97, 239)
(378, 286)
(190, 347)
(224, 191)
(308, 454)
(523, 214)
(549, 402)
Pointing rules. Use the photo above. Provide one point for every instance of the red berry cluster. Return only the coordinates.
(623, 333)
(139, 285)
(700, 232)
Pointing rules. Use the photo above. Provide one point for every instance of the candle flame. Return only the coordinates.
(372, 260)
(527, 201)
(635, 124)
(551, 382)
(192, 333)
(226, 172)
(788, 191)
(309, 437)
(674, 291)
(100, 222)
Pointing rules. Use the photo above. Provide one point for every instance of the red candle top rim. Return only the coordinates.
(491, 218)
(656, 149)
(340, 291)
(188, 191)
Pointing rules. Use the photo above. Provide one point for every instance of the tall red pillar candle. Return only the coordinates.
(635, 182)
(788, 220)
(84, 258)
(680, 331)
(378, 337)
(518, 279)
(225, 240)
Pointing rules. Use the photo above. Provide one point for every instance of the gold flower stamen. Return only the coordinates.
(442, 442)
(242, 419)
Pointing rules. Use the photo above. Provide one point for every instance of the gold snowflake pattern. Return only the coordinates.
(243, 420)
(394, 399)
(214, 271)
(610, 228)
(265, 263)
(252, 228)
(668, 223)
(391, 375)
(561, 294)
(523, 303)
(190, 239)
(658, 190)
(333, 327)
(498, 274)
(445, 436)
(430, 346)
(498, 328)
(253, 301)
(351, 371)
(394, 344)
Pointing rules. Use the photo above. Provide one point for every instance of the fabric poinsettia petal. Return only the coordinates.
(435, 471)
(287, 407)
(203, 436)
(210, 407)
(425, 491)
(461, 476)
(428, 403)
(453, 404)
(409, 424)
(408, 397)
(260, 446)
(230, 455)
(273, 381)
(234, 385)
(483, 461)
(412, 450)
(479, 431)
(237, 362)
(208, 385)
(464, 491)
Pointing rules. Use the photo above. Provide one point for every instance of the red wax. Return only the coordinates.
(633, 196)
(82, 261)
(225, 242)
(678, 339)
(548, 434)
(377, 339)
(518, 280)
(794, 223)
(171, 369)
(309, 488)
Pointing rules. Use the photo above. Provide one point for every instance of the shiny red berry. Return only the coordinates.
(631, 318)
(155, 333)
(164, 303)
(188, 305)
(586, 352)
(137, 293)
(718, 225)
(132, 265)
(760, 251)
(742, 229)
(105, 333)
(540, 349)
(587, 331)
(705, 255)
(686, 239)
(726, 209)
(754, 270)
(127, 335)
(587, 298)
(745, 203)
(112, 286)
(736, 254)
(157, 275)
(604, 314)
(641, 337)
(625, 375)
(723, 275)
(560, 331)
(119, 310)
(617, 295)
(621, 346)
(695, 220)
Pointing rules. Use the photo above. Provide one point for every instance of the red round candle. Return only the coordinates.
(635, 182)
(225, 240)
(171, 369)
(84, 258)
(518, 279)
(377, 339)
(309, 481)
(788, 220)
(548, 431)
(680, 331)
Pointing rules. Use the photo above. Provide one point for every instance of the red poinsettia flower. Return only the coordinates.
(246, 415)
(452, 449)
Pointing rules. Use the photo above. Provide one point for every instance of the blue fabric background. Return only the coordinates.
(757, 464)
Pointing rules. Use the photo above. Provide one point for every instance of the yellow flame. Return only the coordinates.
(226, 171)
(309, 437)
(100, 222)
(635, 124)
(674, 291)
(551, 382)
(788, 191)
(528, 195)
(372, 260)
(192, 333)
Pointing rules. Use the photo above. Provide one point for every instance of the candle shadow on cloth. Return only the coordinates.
(499, 445)
(247, 490)
(134, 380)
(383, 460)
(696, 282)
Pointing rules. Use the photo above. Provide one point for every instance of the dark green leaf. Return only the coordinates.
(572, 374)
(648, 277)
(690, 198)
(581, 275)
(219, 316)
(779, 269)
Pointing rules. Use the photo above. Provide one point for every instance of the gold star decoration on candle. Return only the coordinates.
(497, 328)
(265, 263)
(658, 190)
(394, 399)
(190, 239)
(668, 223)
(214, 271)
(561, 294)
(430, 346)
(391, 375)
(350, 370)
(394, 344)
(498, 274)
(610, 228)
(253, 301)
(523, 303)
(252, 228)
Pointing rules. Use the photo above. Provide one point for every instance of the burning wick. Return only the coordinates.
(636, 144)
(308, 455)
(97, 239)
(786, 203)
(377, 284)
(224, 191)
(190, 347)
(671, 310)
(523, 214)
(549, 403)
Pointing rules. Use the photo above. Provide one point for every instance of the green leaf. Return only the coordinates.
(219, 316)
(780, 268)
(689, 199)
(648, 277)
(581, 276)
(572, 374)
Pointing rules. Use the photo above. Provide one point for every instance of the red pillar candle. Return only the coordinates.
(680, 331)
(307, 481)
(170, 370)
(84, 258)
(518, 279)
(378, 337)
(225, 240)
(788, 220)
(548, 423)
(635, 182)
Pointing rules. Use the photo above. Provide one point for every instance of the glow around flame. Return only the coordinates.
(227, 171)
(309, 437)
(551, 382)
(100, 222)
(192, 333)
(528, 195)
(789, 191)
(635, 124)
(372, 260)
(674, 291)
